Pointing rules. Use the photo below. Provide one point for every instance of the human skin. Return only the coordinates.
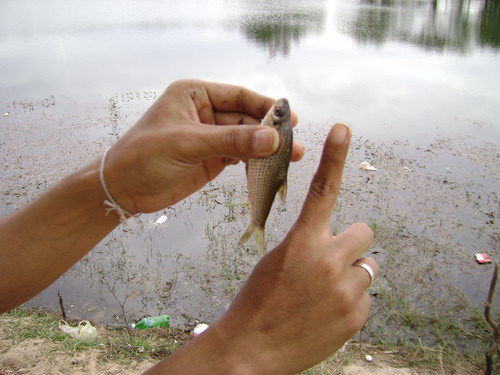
(301, 302)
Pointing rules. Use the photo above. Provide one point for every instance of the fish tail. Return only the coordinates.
(261, 241)
(259, 237)
(248, 233)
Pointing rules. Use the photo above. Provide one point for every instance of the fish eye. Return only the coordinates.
(278, 112)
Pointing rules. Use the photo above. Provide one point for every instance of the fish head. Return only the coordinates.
(281, 112)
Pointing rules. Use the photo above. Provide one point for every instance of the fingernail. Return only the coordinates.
(340, 133)
(265, 140)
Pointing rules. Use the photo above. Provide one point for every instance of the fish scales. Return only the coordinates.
(267, 176)
(264, 180)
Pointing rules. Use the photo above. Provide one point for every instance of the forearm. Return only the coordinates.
(213, 352)
(44, 239)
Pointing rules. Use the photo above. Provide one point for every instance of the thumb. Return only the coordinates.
(238, 141)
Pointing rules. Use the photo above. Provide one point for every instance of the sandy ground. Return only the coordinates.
(37, 356)
(34, 356)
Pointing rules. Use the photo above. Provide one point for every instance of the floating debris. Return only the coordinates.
(6, 114)
(482, 258)
(161, 220)
(367, 166)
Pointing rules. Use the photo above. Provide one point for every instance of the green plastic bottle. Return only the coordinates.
(152, 321)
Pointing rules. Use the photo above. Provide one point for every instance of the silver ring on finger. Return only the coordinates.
(367, 268)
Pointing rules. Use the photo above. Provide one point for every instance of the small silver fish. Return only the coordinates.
(267, 176)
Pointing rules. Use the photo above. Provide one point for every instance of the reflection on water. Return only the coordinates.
(458, 25)
(277, 25)
(438, 25)
(489, 29)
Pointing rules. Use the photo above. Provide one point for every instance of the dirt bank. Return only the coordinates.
(31, 343)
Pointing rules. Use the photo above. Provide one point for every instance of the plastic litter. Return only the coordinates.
(161, 220)
(84, 331)
(482, 258)
(6, 114)
(367, 166)
(368, 358)
(152, 321)
(199, 329)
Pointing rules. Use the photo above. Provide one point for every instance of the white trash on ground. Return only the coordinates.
(199, 329)
(161, 219)
(367, 166)
(84, 331)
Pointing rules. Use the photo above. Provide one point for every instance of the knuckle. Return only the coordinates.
(342, 292)
(355, 321)
(364, 230)
(241, 100)
(233, 141)
(351, 311)
(345, 299)
(179, 84)
(322, 188)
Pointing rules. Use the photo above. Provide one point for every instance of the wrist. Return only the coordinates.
(115, 168)
(90, 193)
(233, 353)
(246, 351)
(111, 204)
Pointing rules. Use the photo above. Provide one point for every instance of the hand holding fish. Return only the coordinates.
(182, 142)
(185, 140)
(302, 301)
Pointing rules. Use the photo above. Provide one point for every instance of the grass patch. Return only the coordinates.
(115, 344)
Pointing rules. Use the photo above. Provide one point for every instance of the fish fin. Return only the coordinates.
(248, 233)
(282, 192)
(261, 240)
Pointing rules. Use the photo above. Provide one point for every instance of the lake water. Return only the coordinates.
(388, 68)
(414, 75)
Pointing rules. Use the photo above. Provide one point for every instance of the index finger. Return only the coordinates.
(325, 184)
(231, 98)
(232, 118)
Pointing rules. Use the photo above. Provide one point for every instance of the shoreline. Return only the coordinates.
(32, 344)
